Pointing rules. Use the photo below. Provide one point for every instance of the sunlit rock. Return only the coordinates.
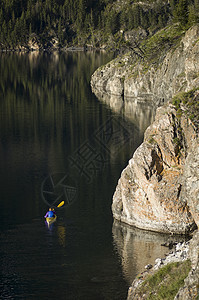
(177, 72)
(154, 191)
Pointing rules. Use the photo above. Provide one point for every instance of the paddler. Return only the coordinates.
(50, 213)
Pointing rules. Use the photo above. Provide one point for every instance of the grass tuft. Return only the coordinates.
(166, 282)
(189, 101)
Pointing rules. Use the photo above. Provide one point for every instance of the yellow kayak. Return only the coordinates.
(51, 220)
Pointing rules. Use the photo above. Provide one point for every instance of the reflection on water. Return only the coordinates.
(47, 113)
(113, 101)
(139, 111)
(137, 248)
(62, 263)
(61, 230)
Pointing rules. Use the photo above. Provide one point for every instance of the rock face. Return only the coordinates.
(190, 189)
(178, 72)
(190, 289)
(158, 190)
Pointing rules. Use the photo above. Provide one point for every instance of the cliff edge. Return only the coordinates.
(159, 189)
(160, 67)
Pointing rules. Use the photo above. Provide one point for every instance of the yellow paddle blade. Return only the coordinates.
(60, 204)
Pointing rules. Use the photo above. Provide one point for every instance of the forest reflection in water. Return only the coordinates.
(47, 112)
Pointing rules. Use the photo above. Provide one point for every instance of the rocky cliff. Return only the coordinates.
(159, 191)
(159, 188)
(154, 70)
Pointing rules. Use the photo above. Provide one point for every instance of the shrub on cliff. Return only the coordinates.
(188, 103)
(165, 283)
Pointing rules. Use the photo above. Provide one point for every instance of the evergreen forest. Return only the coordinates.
(87, 23)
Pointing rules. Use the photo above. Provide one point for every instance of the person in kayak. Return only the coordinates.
(50, 213)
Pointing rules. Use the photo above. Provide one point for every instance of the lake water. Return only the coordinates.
(58, 142)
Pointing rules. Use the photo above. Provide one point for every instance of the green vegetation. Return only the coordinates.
(152, 140)
(178, 145)
(87, 22)
(155, 47)
(188, 103)
(165, 283)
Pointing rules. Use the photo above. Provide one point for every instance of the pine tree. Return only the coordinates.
(143, 19)
(196, 8)
(160, 21)
(91, 28)
(181, 12)
(48, 21)
(81, 14)
(60, 32)
(30, 29)
(131, 20)
(1, 16)
(136, 13)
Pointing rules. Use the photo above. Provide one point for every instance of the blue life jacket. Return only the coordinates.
(50, 214)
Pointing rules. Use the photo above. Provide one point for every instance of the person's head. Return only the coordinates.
(50, 209)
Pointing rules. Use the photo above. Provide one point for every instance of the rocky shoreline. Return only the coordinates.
(181, 252)
(159, 189)
(175, 71)
(178, 254)
(153, 191)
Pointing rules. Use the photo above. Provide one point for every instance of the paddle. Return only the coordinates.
(60, 204)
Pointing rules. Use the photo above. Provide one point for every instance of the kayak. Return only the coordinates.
(51, 220)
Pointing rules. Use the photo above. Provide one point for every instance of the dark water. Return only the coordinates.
(59, 143)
